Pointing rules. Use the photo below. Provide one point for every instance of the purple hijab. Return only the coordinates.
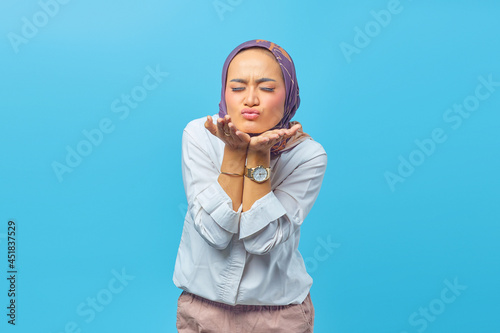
(292, 100)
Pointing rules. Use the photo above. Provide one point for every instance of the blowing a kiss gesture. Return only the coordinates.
(238, 140)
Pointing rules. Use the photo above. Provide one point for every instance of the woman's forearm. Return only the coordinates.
(253, 191)
(233, 162)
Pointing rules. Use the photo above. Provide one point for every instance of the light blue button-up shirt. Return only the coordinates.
(249, 257)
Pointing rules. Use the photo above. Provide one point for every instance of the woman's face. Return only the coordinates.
(255, 91)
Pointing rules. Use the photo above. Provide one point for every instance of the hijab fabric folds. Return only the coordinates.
(292, 101)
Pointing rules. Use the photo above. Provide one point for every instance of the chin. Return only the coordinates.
(252, 128)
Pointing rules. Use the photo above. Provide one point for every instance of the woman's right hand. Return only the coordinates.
(228, 133)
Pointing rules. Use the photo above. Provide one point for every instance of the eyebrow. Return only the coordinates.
(264, 79)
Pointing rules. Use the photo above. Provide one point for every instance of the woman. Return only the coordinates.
(250, 179)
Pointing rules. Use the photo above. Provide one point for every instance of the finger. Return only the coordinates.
(208, 121)
(264, 140)
(279, 132)
(295, 128)
(232, 129)
(227, 121)
(220, 127)
(226, 130)
(242, 136)
(292, 131)
(271, 132)
(209, 125)
(267, 137)
(238, 135)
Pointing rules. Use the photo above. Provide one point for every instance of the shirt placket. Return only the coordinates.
(231, 276)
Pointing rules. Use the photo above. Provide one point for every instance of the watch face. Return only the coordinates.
(259, 174)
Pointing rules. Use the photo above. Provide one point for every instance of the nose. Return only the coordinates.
(251, 98)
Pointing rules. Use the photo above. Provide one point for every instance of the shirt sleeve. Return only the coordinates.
(209, 206)
(275, 217)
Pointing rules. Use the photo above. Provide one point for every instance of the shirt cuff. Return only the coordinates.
(219, 205)
(263, 211)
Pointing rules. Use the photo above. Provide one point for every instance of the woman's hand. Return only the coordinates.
(262, 143)
(228, 133)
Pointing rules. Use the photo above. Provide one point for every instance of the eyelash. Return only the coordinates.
(242, 88)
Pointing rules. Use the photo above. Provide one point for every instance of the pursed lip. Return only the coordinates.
(250, 111)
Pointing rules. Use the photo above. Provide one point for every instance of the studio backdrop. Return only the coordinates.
(403, 95)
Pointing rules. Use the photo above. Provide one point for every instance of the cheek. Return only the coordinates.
(230, 100)
(277, 101)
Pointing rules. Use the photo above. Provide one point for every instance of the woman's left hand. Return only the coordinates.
(263, 142)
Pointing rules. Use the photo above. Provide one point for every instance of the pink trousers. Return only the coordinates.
(197, 314)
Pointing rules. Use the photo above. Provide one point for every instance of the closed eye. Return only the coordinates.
(238, 89)
(267, 89)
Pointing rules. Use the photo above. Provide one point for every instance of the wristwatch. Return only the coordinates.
(258, 174)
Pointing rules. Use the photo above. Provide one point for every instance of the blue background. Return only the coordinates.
(395, 246)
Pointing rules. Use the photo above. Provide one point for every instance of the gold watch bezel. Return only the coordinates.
(249, 173)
